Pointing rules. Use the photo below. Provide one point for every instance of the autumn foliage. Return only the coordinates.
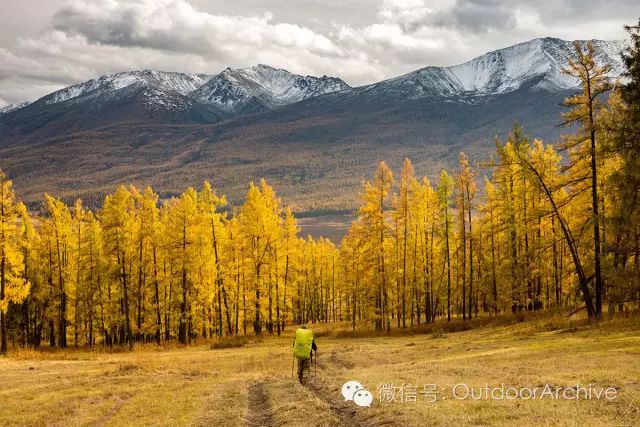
(533, 227)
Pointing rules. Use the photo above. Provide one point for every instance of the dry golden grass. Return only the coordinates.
(252, 385)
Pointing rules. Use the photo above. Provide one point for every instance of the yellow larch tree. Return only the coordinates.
(13, 286)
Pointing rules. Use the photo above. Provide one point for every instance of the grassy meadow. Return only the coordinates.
(252, 385)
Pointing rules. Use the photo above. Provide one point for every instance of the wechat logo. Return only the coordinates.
(354, 391)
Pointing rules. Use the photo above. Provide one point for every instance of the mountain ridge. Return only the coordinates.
(448, 81)
(314, 148)
(269, 86)
(499, 71)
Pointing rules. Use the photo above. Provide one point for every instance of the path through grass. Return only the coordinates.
(252, 385)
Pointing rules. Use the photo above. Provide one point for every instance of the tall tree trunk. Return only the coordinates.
(527, 255)
(415, 301)
(432, 311)
(244, 304)
(397, 265)
(62, 325)
(286, 282)
(404, 260)
(582, 278)
(52, 335)
(463, 231)
(448, 259)
(333, 287)
(182, 332)
(355, 293)
(140, 280)
(77, 296)
(494, 282)
(636, 259)
(257, 324)
(237, 299)
(125, 293)
(470, 253)
(277, 294)
(270, 301)
(156, 296)
(596, 220)
(167, 300)
(556, 281)
(514, 249)
(3, 315)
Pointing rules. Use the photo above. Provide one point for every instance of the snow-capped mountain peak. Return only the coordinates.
(152, 83)
(508, 69)
(237, 89)
(537, 63)
(232, 91)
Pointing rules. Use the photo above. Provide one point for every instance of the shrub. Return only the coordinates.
(229, 342)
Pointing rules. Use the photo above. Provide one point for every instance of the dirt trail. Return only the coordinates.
(348, 413)
(259, 410)
(106, 418)
(258, 413)
(344, 364)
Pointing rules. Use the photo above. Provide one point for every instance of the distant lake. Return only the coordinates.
(331, 226)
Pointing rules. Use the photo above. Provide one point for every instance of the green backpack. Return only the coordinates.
(302, 345)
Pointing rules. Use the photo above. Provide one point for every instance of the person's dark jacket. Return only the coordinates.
(314, 347)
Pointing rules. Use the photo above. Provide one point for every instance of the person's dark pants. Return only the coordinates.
(302, 365)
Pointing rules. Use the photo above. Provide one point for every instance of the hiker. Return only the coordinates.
(303, 348)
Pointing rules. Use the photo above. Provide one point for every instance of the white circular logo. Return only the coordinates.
(349, 388)
(363, 398)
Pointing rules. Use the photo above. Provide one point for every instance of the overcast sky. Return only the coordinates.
(48, 44)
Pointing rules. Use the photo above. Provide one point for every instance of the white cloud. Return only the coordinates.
(86, 38)
(175, 25)
(403, 12)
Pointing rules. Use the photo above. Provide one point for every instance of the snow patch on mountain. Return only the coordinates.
(13, 107)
